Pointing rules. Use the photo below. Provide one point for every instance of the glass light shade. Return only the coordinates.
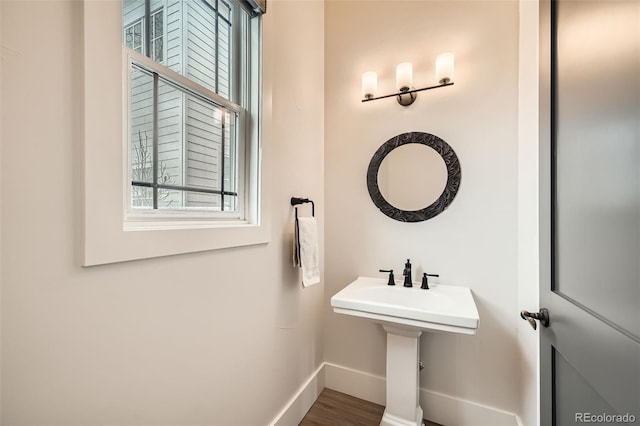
(404, 76)
(444, 68)
(369, 84)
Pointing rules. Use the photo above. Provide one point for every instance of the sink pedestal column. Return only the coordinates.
(403, 377)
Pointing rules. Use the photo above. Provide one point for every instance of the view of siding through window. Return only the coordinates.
(191, 163)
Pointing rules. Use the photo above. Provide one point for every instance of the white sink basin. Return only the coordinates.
(441, 308)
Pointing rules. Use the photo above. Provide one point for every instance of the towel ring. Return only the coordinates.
(298, 200)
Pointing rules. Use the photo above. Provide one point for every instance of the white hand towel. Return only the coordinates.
(307, 238)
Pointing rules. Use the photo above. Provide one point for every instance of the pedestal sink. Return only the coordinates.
(405, 313)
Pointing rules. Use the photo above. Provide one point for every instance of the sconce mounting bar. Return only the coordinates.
(408, 92)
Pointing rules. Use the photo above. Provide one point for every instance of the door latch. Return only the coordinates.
(542, 316)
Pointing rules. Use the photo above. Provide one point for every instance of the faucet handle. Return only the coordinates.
(391, 278)
(425, 280)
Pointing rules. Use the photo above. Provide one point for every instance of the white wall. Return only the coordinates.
(528, 208)
(221, 337)
(474, 242)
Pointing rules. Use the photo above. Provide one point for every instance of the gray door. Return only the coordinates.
(590, 211)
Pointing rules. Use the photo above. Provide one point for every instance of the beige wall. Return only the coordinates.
(474, 242)
(223, 337)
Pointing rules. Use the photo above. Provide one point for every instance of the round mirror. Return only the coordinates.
(413, 177)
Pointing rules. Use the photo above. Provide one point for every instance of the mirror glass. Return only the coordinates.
(412, 176)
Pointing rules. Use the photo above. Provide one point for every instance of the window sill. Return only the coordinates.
(133, 225)
(103, 246)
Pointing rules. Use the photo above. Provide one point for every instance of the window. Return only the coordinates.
(192, 111)
(114, 228)
(157, 31)
(134, 35)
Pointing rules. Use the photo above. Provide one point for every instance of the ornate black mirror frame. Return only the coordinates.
(448, 194)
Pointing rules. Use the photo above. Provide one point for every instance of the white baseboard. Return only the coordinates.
(296, 408)
(355, 383)
(438, 407)
(451, 411)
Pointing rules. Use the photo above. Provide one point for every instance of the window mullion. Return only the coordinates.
(217, 47)
(147, 28)
(223, 122)
(171, 77)
(155, 140)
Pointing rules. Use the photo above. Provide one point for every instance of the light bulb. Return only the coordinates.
(369, 84)
(444, 68)
(404, 76)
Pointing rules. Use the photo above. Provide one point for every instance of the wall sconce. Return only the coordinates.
(404, 81)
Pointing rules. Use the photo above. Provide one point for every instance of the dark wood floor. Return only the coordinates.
(334, 408)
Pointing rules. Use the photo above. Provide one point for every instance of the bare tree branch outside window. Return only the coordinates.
(142, 171)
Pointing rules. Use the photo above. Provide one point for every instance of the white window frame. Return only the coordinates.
(104, 107)
(136, 217)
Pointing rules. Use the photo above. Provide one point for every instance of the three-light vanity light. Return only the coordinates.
(406, 95)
